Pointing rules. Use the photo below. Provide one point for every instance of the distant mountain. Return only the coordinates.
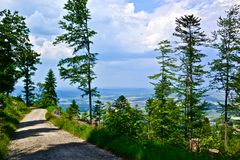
(135, 96)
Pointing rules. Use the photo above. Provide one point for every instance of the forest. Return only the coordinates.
(173, 123)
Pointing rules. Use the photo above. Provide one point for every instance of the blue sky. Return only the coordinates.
(128, 32)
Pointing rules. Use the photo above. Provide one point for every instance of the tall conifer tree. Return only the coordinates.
(164, 111)
(228, 45)
(27, 65)
(191, 37)
(166, 77)
(49, 90)
(79, 68)
(73, 110)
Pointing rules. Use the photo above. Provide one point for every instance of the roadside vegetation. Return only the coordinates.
(11, 112)
(122, 144)
(124, 131)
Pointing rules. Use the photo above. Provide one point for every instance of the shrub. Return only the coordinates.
(52, 108)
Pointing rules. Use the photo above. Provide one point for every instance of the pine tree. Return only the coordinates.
(236, 88)
(13, 37)
(224, 68)
(26, 63)
(163, 110)
(98, 111)
(188, 30)
(151, 104)
(166, 77)
(79, 68)
(121, 102)
(49, 90)
(121, 119)
(73, 110)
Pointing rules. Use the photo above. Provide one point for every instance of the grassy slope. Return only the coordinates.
(9, 118)
(123, 145)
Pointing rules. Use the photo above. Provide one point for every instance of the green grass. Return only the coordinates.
(9, 118)
(52, 108)
(82, 130)
(124, 146)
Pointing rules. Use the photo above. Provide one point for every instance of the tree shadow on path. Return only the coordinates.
(69, 151)
(25, 133)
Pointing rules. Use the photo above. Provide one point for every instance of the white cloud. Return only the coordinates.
(48, 50)
(120, 27)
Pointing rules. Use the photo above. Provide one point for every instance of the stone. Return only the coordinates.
(213, 152)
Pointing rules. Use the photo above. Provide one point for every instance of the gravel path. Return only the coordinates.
(36, 139)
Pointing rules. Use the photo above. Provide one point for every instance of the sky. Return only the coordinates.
(128, 32)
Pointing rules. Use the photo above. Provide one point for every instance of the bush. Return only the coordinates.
(123, 145)
(124, 121)
(234, 147)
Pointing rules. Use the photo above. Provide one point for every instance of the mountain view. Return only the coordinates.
(136, 96)
(120, 79)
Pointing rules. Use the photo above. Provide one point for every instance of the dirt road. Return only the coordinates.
(36, 139)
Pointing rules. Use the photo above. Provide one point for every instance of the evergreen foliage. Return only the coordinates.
(236, 88)
(49, 90)
(27, 61)
(13, 40)
(79, 68)
(73, 110)
(164, 121)
(166, 77)
(192, 72)
(121, 119)
(163, 112)
(121, 102)
(98, 111)
(225, 67)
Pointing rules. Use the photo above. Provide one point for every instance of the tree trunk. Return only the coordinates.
(27, 88)
(226, 104)
(89, 73)
(226, 111)
(90, 101)
(89, 84)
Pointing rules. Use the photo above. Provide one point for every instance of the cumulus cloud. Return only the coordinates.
(48, 50)
(120, 27)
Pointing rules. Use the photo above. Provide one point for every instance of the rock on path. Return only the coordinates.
(36, 139)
